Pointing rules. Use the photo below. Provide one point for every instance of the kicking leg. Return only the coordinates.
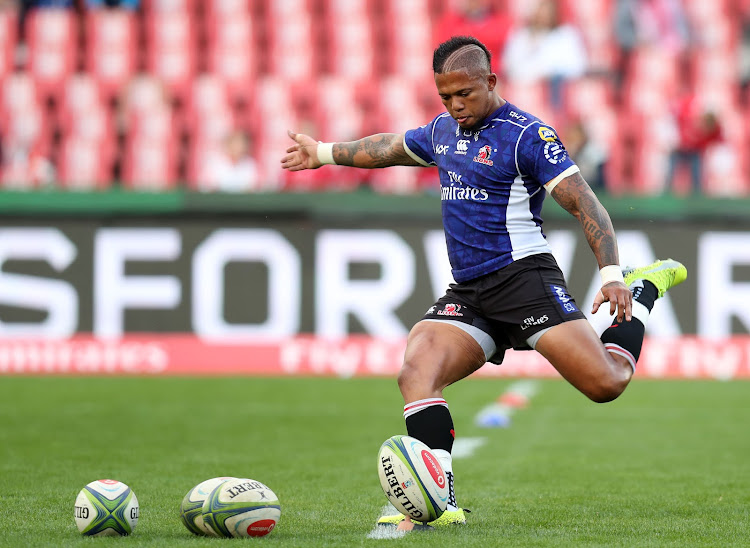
(602, 372)
(437, 355)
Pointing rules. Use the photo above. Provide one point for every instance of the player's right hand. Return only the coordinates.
(302, 155)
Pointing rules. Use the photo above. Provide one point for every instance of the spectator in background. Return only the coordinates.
(233, 169)
(545, 49)
(126, 4)
(698, 128)
(477, 18)
(660, 23)
(590, 156)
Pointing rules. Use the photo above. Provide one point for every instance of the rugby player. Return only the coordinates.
(496, 162)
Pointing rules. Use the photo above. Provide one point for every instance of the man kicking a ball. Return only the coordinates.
(496, 162)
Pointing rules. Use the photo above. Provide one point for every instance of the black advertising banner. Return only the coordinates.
(227, 278)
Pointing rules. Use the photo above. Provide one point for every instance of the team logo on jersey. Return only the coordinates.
(462, 146)
(483, 156)
(555, 152)
(450, 309)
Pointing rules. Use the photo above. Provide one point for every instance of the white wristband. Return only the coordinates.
(611, 273)
(325, 153)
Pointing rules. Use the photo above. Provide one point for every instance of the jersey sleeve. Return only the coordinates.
(418, 144)
(542, 156)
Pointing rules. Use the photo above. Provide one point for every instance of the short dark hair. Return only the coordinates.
(444, 50)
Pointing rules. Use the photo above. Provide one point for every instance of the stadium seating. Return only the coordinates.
(148, 95)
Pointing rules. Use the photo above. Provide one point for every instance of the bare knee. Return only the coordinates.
(608, 387)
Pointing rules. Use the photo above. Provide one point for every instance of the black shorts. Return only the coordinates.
(511, 304)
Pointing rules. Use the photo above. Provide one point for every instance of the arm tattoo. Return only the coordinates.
(381, 150)
(577, 198)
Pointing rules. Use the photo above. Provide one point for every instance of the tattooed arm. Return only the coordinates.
(381, 150)
(576, 197)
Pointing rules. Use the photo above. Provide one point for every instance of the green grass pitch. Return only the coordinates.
(668, 464)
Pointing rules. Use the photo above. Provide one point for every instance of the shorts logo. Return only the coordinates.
(483, 156)
(555, 152)
(450, 309)
(430, 310)
(531, 320)
(462, 146)
(565, 300)
(547, 134)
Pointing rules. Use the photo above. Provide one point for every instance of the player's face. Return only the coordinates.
(468, 98)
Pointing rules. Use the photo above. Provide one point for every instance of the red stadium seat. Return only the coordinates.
(169, 6)
(111, 48)
(81, 165)
(19, 92)
(53, 47)
(232, 55)
(8, 32)
(171, 40)
(228, 9)
(149, 164)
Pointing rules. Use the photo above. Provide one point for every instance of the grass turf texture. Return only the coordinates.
(665, 465)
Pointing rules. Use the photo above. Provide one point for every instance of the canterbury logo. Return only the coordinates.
(462, 146)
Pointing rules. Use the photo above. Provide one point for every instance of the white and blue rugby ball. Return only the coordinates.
(412, 478)
(241, 507)
(191, 508)
(106, 508)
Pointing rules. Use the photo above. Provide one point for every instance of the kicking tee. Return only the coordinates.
(492, 183)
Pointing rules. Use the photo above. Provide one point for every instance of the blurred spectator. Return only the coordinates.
(660, 23)
(477, 18)
(590, 156)
(233, 169)
(127, 4)
(25, 167)
(697, 129)
(545, 49)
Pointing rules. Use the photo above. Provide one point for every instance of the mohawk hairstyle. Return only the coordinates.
(461, 53)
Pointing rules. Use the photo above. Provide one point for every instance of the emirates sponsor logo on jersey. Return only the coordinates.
(458, 193)
(483, 156)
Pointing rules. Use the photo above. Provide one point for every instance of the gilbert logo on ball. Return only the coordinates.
(241, 508)
(106, 508)
(412, 478)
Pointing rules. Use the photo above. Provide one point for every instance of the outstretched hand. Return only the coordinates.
(302, 155)
(620, 299)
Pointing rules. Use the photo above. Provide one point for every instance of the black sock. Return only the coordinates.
(433, 426)
(626, 338)
(645, 293)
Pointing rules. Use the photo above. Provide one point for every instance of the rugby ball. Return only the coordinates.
(412, 478)
(106, 508)
(241, 507)
(191, 508)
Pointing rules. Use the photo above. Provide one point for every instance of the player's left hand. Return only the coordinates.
(620, 299)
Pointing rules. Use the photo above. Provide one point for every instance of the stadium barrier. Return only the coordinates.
(685, 357)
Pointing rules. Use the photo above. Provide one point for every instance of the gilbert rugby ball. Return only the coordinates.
(241, 507)
(412, 478)
(191, 508)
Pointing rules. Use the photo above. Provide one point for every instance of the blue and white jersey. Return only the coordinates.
(491, 185)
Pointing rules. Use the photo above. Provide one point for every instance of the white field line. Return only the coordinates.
(463, 448)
